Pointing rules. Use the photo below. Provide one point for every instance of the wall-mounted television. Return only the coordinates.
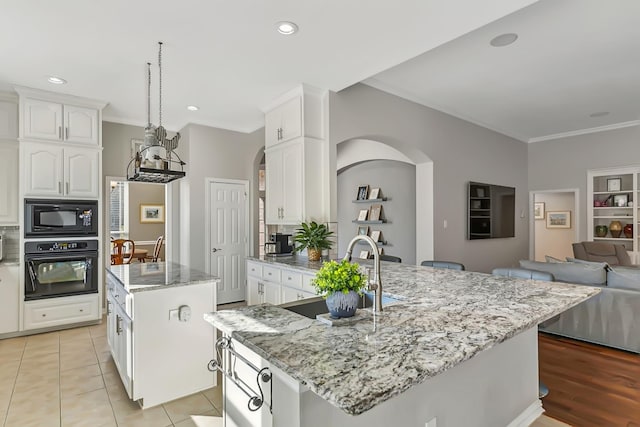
(491, 211)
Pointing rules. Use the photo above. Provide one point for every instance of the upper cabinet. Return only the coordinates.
(59, 122)
(8, 183)
(297, 113)
(8, 118)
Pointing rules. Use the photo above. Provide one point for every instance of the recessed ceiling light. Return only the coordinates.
(599, 114)
(503, 39)
(56, 80)
(287, 28)
(193, 107)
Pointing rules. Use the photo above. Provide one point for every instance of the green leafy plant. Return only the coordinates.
(339, 277)
(312, 236)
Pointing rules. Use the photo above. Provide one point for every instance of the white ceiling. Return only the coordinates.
(225, 56)
(572, 58)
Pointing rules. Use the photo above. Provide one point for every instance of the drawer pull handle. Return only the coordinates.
(44, 315)
(118, 328)
(81, 310)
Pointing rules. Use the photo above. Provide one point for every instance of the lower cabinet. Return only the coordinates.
(10, 297)
(61, 311)
(159, 354)
(267, 283)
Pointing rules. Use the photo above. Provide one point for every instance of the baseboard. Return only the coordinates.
(529, 415)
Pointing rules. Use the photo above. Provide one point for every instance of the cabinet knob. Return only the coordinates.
(81, 310)
(44, 315)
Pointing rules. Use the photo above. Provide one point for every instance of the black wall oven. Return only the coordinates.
(60, 268)
(53, 218)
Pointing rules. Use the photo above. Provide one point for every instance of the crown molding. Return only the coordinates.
(585, 131)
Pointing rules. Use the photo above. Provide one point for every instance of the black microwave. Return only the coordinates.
(51, 218)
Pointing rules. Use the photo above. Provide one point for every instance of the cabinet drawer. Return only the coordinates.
(254, 269)
(271, 274)
(291, 278)
(306, 283)
(60, 311)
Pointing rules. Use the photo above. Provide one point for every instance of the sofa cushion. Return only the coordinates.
(571, 272)
(595, 264)
(549, 258)
(624, 278)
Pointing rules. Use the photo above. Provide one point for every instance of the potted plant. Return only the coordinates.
(314, 238)
(341, 284)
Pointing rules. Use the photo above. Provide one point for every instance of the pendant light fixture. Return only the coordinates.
(156, 161)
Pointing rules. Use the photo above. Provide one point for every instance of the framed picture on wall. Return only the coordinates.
(620, 200)
(150, 214)
(538, 210)
(363, 192)
(614, 184)
(363, 230)
(375, 213)
(374, 194)
(363, 255)
(362, 216)
(375, 235)
(559, 219)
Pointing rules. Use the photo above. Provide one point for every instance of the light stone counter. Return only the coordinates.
(443, 318)
(140, 277)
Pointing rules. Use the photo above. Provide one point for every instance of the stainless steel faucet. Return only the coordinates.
(375, 283)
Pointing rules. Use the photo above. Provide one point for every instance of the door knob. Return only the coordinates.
(215, 250)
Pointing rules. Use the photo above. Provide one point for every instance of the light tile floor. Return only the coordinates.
(68, 378)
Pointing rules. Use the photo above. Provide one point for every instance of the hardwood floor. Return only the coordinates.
(589, 385)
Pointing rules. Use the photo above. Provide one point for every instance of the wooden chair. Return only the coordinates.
(122, 247)
(156, 250)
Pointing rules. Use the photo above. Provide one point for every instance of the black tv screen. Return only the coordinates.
(491, 211)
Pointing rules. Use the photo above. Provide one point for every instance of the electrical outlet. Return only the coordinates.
(445, 224)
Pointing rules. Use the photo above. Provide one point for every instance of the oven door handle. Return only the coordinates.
(32, 274)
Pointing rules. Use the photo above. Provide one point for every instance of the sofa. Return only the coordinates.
(611, 318)
(602, 252)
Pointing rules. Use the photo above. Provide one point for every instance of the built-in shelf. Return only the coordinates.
(613, 238)
(612, 207)
(613, 192)
(613, 217)
(382, 243)
(384, 199)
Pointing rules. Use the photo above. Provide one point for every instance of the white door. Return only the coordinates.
(42, 119)
(81, 172)
(42, 169)
(80, 124)
(228, 243)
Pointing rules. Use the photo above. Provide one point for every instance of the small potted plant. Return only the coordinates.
(341, 283)
(314, 238)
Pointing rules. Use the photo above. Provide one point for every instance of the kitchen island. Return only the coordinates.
(456, 348)
(159, 343)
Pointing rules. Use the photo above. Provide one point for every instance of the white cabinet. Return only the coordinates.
(269, 283)
(8, 120)
(49, 312)
(147, 337)
(55, 121)
(55, 170)
(284, 122)
(294, 186)
(10, 297)
(8, 183)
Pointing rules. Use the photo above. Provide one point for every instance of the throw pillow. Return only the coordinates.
(549, 258)
(571, 272)
(624, 278)
(596, 264)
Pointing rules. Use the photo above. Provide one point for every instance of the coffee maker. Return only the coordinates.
(279, 244)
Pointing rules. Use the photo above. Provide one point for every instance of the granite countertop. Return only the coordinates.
(291, 261)
(443, 318)
(140, 276)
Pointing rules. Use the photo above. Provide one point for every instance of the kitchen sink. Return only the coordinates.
(313, 306)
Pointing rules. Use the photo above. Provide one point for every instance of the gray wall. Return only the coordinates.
(563, 163)
(116, 143)
(213, 153)
(461, 152)
(397, 181)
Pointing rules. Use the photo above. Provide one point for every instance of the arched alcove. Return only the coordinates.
(356, 151)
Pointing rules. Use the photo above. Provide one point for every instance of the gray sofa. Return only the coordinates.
(611, 318)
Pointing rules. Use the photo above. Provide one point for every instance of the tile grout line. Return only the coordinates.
(15, 381)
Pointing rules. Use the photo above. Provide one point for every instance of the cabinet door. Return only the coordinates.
(80, 124)
(254, 291)
(8, 120)
(272, 124)
(10, 297)
(274, 191)
(124, 352)
(42, 169)
(8, 183)
(42, 120)
(293, 184)
(291, 117)
(291, 294)
(271, 293)
(81, 172)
